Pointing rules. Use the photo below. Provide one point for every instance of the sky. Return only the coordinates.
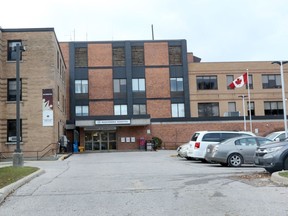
(215, 30)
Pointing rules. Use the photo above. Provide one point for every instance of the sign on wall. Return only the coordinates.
(47, 107)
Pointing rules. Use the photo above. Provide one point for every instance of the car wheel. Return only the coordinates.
(285, 164)
(269, 170)
(235, 160)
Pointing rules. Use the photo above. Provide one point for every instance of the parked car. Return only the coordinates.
(277, 136)
(235, 151)
(273, 157)
(201, 139)
(182, 151)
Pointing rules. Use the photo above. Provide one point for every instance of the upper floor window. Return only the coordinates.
(137, 55)
(12, 54)
(120, 109)
(176, 84)
(138, 85)
(251, 108)
(118, 56)
(139, 109)
(273, 108)
(208, 109)
(229, 80)
(175, 55)
(119, 88)
(178, 110)
(271, 81)
(250, 82)
(11, 90)
(11, 130)
(82, 110)
(81, 57)
(81, 86)
(206, 82)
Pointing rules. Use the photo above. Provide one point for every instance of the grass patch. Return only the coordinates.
(284, 174)
(11, 174)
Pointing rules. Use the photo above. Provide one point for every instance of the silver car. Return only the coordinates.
(235, 151)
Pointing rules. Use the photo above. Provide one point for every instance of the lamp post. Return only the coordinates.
(18, 155)
(244, 112)
(281, 63)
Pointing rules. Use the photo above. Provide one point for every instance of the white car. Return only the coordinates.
(182, 150)
(201, 139)
(277, 136)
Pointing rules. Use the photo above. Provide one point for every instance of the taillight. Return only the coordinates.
(197, 145)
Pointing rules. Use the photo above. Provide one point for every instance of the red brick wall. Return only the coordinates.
(101, 108)
(157, 82)
(159, 108)
(100, 84)
(99, 55)
(156, 54)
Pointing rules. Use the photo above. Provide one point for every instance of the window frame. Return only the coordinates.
(84, 110)
(123, 109)
(138, 112)
(270, 85)
(10, 96)
(207, 85)
(177, 110)
(80, 87)
(14, 131)
(11, 53)
(212, 107)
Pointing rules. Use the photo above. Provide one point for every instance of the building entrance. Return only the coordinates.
(100, 140)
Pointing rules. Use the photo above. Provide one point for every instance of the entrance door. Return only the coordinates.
(100, 140)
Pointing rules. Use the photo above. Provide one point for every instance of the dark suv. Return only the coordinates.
(273, 157)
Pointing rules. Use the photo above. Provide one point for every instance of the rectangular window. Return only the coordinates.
(119, 88)
(206, 82)
(138, 85)
(139, 109)
(273, 108)
(82, 110)
(81, 57)
(178, 110)
(175, 55)
(176, 84)
(252, 108)
(12, 54)
(271, 81)
(229, 80)
(118, 56)
(120, 109)
(231, 107)
(11, 130)
(208, 109)
(81, 86)
(11, 91)
(250, 82)
(137, 55)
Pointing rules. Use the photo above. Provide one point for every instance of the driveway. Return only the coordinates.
(145, 183)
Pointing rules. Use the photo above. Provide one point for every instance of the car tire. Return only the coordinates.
(285, 163)
(224, 164)
(235, 160)
(269, 170)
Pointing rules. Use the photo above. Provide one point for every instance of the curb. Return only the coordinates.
(6, 191)
(63, 157)
(275, 177)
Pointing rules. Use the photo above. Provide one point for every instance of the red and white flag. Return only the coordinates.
(239, 82)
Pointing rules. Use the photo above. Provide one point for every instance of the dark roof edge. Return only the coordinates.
(27, 29)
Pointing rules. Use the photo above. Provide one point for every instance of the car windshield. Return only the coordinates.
(271, 135)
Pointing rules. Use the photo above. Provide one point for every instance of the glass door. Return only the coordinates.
(100, 141)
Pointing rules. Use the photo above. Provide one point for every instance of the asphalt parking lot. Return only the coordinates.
(145, 183)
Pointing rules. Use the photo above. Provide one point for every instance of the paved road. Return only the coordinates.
(145, 183)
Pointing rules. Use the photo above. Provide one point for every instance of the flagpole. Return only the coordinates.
(249, 100)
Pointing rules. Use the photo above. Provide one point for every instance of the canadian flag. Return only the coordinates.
(239, 82)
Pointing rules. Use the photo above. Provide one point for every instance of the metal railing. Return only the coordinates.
(52, 147)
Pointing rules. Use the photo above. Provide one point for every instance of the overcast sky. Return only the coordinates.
(215, 30)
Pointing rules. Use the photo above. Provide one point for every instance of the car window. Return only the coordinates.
(262, 141)
(225, 136)
(195, 136)
(211, 137)
(281, 137)
(246, 142)
(251, 141)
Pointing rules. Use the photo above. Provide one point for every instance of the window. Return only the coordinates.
(81, 86)
(137, 55)
(273, 108)
(178, 110)
(120, 109)
(82, 110)
(12, 55)
(118, 56)
(206, 82)
(119, 88)
(229, 80)
(11, 92)
(252, 108)
(11, 130)
(176, 84)
(175, 55)
(208, 109)
(138, 85)
(231, 107)
(271, 81)
(81, 57)
(139, 109)
(250, 82)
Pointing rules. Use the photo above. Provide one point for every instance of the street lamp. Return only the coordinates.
(18, 155)
(244, 112)
(281, 63)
